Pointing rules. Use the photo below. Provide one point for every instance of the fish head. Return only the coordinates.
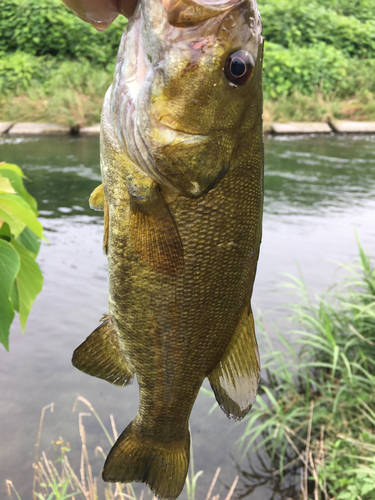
(187, 89)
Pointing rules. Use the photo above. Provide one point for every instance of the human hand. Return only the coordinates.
(100, 13)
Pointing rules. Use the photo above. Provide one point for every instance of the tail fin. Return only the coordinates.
(162, 466)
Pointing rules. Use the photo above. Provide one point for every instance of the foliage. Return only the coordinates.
(20, 233)
(297, 23)
(303, 69)
(19, 70)
(361, 9)
(47, 27)
(320, 415)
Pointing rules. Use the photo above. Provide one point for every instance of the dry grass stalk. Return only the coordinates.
(213, 483)
(49, 480)
(36, 470)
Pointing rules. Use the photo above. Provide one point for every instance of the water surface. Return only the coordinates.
(318, 192)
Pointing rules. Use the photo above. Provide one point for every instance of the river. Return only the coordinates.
(319, 191)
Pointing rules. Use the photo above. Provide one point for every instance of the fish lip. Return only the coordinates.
(180, 131)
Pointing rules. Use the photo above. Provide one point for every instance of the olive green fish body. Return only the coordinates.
(183, 195)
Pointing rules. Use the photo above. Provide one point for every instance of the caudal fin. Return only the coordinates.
(162, 466)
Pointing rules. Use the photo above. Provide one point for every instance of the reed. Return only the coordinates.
(315, 419)
(59, 480)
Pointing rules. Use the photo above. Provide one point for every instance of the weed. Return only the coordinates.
(317, 419)
(57, 479)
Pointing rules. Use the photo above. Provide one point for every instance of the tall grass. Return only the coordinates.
(316, 414)
(58, 480)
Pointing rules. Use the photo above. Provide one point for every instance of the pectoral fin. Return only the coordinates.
(153, 231)
(97, 198)
(98, 202)
(101, 356)
(236, 377)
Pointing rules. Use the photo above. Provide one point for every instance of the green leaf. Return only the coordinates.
(29, 281)
(18, 185)
(29, 240)
(6, 186)
(17, 213)
(14, 168)
(367, 487)
(9, 267)
(5, 233)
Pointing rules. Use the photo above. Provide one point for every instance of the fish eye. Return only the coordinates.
(239, 67)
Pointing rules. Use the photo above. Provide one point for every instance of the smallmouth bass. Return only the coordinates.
(182, 193)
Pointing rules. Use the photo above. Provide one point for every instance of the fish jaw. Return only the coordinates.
(174, 111)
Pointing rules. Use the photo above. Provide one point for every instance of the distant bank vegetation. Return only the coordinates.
(319, 60)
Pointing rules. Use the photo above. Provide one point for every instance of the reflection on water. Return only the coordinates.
(318, 191)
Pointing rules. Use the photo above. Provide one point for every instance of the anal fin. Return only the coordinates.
(153, 231)
(100, 355)
(236, 377)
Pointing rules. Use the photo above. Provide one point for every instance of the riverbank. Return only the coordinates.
(277, 128)
(76, 109)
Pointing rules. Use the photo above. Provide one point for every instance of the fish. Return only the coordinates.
(181, 154)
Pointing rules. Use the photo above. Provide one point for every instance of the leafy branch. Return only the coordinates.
(20, 233)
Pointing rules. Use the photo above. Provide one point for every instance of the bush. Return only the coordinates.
(295, 22)
(304, 69)
(47, 27)
(19, 70)
(362, 9)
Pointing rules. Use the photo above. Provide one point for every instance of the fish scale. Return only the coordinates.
(183, 216)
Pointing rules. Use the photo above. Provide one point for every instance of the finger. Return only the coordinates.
(127, 7)
(100, 13)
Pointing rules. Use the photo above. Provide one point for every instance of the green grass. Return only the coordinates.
(315, 418)
(70, 93)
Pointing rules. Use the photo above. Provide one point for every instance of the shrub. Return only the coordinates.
(304, 69)
(47, 27)
(19, 70)
(295, 22)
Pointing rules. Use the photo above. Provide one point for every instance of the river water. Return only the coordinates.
(319, 191)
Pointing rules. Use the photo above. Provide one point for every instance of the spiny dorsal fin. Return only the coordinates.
(101, 356)
(154, 234)
(236, 377)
